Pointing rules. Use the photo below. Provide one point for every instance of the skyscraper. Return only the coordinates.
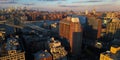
(94, 11)
(70, 28)
(86, 12)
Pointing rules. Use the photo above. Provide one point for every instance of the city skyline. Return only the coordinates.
(61, 5)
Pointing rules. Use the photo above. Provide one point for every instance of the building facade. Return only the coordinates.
(70, 28)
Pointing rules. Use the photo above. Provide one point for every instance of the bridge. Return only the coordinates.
(24, 25)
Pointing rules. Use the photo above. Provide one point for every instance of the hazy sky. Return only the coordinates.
(77, 5)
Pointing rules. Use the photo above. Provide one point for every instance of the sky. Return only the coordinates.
(61, 5)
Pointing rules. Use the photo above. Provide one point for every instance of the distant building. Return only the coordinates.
(70, 28)
(86, 12)
(111, 15)
(94, 11)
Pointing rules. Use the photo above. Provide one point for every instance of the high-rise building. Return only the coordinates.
(111, 15)
(86, 12)
(94, 11)
(70, 28)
